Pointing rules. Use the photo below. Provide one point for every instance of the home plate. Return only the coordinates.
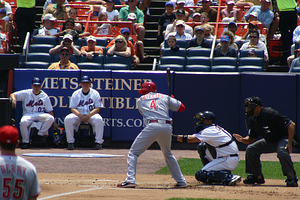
(72, 155)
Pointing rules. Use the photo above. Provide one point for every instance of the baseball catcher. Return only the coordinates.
(218, 152)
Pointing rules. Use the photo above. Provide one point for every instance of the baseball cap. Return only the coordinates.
(85, 79)
(131, 16)
(196, 14)
(180, 1)
(92, 38)
(228, 2)
(9, 134)
(49, 17)
(224, 38)
(180, 12)
(232, 23)
(254, 14)
(199, 29)
(169, 3)
(2, 10)
(252, 51)
(125, 30)
(36, 81)
(68, 36)
(64, 49)
(180, 22)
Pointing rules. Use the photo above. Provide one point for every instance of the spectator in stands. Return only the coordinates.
(47, 2)
(232, 26)
(123, 15)
(207, 31)
(255, 43)
(112, 13)
(180, 33)
(187, 2)
(68, 28)
(180, 5)
(137, 50)
(296, 61)
(25, 16)
(252, 53)
(67, 41)
(47, 28)
(91, 50)
(132, 18)
(204, 19)
(213, 3)
(58, 10)
(64, 62)
(73, 15)
(212, 13)
(165, 19)
(101, 2)
(97, 9)
(196, 17)
(253, 26)
(230, 12)
(253, 16)
(105, 28)
(171, 43)
(7, 8)
(3, 15)
(296, 38)
(3, 37)
(119, 48)
(231, 40)
(225, 49)
(199, 41)
(172, 27)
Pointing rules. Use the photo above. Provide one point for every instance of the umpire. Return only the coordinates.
(277, 132)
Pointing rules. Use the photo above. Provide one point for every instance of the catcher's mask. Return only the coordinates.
(199, 118)
(250, 104)
(147, 87)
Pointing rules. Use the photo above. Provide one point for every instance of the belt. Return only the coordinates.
(231, 155)
(156, 121)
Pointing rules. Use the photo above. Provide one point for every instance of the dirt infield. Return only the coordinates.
(96, 178)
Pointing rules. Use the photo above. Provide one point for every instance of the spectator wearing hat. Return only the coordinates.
(252, 53)
(180, 14)
(253, 16)
(58, 10)
(165, 19)
(180, 33)
(3, 15)
(255, 43)
(180, 5)
(230, 12)
(67, 41)
(48, 27)
(231, 40)
(296, 38)
(123, 15)
(196, 17)
(186, 2)
(296, 61)
(199, 41)
(8, 12)
(132, 18)
(91, 50)
(64, 62)
(85, 106)
(27, 183)
(232, 26)
(37, 111)
(225, 50)
(206, 8)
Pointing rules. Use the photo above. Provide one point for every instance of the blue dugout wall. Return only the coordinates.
(222, 93)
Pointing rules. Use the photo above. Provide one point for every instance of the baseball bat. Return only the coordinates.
(169, 80)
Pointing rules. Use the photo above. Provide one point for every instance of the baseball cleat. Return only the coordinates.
(291, 182)
(180, 186)
(71, 146)
(234, 180)
(251, 179)
(98, 146)
(126, 185)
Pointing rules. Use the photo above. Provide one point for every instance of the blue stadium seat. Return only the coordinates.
(96, 59)
(44, 40)
(175, 63)
(102, 42)
(73, 58)
(199, 52)
(252, 61)
(224, 64)
(39, 57)
(243, 53)
(77, 42)
(117, 62)
(40, 48)
(36, 65)
(223, 68)
(199, 64)
(181, 42)
(89, 65)
(168, 52)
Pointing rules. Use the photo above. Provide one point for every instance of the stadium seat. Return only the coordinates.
(175, 63)
(89, 65)
(96, 59)
(223, 68)
(73, 58)
(36, 65)
(260, 53)
(102, 42)
(251, 61)
(117, 62)
(199, 52)
(181, 42)
(40, 48)
(44, 40)
(76, 42)
(199, 64)
(168, 52)
(39, 57)
(224, 64)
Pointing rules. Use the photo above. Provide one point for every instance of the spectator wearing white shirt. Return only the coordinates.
(180, 14)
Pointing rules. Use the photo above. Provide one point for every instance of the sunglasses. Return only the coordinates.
(118, 41)
(180, 26)
(252, 37)
(64, 54)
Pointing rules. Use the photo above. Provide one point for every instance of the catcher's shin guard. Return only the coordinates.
(201, 150)
(202, 176)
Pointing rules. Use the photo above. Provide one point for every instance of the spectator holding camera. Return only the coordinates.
(67, 42)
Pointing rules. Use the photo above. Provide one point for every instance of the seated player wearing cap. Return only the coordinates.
(165, 19)
(37, 111)
(172, 27)
(91, 50)
(199, 41)
(67, 42)
(64, 62)
(225, 49)
(85, 106)
(47, 28)
(15, 170)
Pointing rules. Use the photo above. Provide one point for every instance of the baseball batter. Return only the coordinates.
(85, 107)
(218, 152)
(18, 178)
(155, 110)
(37, 111)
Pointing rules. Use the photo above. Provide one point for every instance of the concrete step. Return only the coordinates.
(151, 42)
(150, 33)
(151, 26)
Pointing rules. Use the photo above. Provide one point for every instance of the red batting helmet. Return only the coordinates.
(147, 87)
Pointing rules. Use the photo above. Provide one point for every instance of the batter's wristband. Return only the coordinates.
(184, 139)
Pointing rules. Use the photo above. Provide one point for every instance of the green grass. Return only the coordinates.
(189, 166)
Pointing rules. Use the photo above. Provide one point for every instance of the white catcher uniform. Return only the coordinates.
(226, 157)
(18, 178)
(84, 104)
(35, 113)
(155, 110)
